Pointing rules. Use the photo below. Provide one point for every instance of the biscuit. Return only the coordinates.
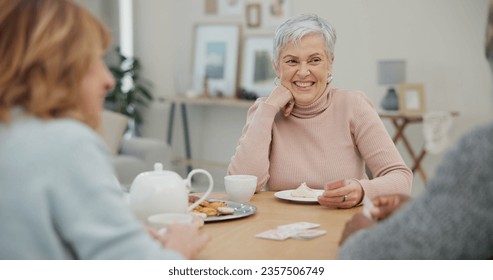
(209, 211)
(226, 210)
(211, 208)
(217, 204)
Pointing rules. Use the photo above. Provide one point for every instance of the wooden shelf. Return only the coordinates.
(213, 101)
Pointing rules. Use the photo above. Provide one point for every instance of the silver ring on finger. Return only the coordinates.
(344, 198)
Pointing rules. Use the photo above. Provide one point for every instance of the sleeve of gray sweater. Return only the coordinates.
(451, 219)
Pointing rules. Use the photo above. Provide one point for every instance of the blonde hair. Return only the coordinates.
(46, 48)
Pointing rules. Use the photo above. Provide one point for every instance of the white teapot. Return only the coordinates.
(162, 191)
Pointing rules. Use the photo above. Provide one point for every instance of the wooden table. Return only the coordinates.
(235, 239)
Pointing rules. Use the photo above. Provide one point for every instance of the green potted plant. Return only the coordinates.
(131, 91)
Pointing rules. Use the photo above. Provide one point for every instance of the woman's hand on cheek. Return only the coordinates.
(288, 108)
(282, 98)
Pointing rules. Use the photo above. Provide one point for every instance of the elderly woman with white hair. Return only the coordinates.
(308, 130)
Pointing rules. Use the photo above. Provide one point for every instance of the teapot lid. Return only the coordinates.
(159, 170)
(157, 173)
(158, 166)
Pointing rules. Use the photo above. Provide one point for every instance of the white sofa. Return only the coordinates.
(133, 155)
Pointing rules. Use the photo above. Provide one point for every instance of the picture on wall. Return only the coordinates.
(231, 8)
(257, 72)
(253, 15)
(216, 58)
(210, 7)
(274, 12)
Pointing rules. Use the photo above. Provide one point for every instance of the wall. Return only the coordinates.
(441, 40)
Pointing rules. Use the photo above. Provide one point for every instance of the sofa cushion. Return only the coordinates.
(127, 168)
(113, 127)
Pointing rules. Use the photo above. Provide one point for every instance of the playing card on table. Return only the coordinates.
(275, 234)
(298, 226)
(299, 230)
(309, 233)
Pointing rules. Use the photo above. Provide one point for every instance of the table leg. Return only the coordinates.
(188, 150)
(416, 160)
(399, 129)
(417, 165)
(171, 120)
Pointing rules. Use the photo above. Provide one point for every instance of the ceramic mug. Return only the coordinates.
(240, 188)
(161, 221)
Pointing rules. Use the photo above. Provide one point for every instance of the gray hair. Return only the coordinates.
(295, 28)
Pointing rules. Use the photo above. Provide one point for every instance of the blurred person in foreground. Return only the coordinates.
(451, 219)
(59, 198)
(308, 130)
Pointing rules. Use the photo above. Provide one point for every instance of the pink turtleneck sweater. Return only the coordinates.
(326, 141)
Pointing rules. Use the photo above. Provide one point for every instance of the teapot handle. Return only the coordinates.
(189, 185)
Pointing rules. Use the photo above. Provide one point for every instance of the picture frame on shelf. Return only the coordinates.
(411, 98)
(257, 72)
(216, 52)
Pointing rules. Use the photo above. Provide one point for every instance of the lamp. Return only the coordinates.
(391, 72)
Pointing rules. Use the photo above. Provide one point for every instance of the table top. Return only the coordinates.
(418, 117)
(235, 239)
(213, 101)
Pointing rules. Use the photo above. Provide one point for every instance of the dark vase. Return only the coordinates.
(390, 102)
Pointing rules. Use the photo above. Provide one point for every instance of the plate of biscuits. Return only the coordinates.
(213, 210)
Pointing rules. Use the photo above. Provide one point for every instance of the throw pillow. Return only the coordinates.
(113, 127)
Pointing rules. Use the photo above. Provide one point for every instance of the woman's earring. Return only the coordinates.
(329, 78)
(277, 81)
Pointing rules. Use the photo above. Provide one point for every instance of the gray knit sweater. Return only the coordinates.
(59, 198)
(451, 219)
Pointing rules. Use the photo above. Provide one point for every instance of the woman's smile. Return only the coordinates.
(304, 67)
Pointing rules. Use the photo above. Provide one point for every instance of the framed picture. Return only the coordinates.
(253, 15)
(224, 8)
(411, 98)
(274, 12)
(215, 69)
(231, 8)
(210, 7)
(257, 71)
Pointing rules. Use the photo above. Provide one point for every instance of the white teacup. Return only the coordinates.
(163, 220)
(240, 188)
